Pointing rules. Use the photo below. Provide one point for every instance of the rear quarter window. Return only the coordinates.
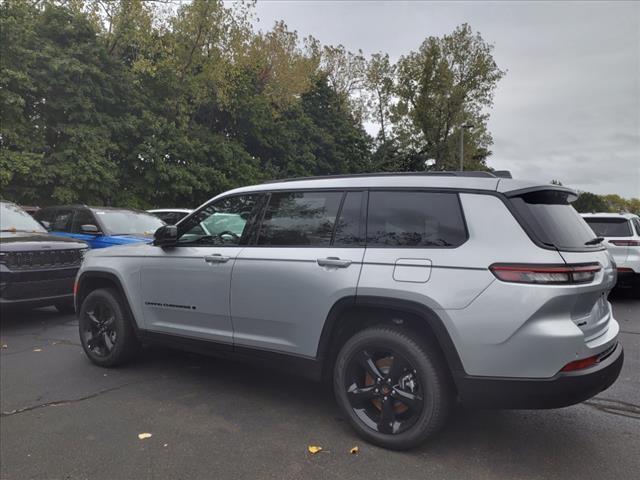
(610, 226)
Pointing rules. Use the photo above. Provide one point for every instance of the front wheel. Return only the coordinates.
(106, 329)
(394, 389)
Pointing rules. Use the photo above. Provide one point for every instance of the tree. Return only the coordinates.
(448, 82)
(590, 202)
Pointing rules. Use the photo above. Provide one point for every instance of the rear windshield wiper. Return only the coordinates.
(594, 241)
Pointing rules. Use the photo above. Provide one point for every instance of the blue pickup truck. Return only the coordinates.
(99, 226)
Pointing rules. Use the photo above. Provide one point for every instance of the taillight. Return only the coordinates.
(625, 243)
(545, 274)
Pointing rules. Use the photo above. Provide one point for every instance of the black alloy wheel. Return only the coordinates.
(99, 333)
(383, 390)
(107, 329)
(393, 385)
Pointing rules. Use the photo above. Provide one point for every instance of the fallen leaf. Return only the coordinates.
(166, 445)
(355, 450)
(37, 349)
(4, 345)
(143, 436)
(313, 449)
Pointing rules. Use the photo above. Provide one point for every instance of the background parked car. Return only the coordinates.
(30, 209)
(36, 269)
(621, 233)
(170, 216)
(100, 226)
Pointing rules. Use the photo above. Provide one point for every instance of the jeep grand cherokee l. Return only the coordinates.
(36, 269)
(408, 291)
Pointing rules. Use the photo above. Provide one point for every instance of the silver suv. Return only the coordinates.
(408, 291)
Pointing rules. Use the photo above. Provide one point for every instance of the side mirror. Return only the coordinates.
(89, 229)
(46, 225)
(166, 236)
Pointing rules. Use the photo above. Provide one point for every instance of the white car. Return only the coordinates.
(170, 216)
(621, 233)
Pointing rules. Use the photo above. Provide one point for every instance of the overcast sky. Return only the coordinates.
(569, 106)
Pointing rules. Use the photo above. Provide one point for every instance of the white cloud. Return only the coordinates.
(569, 106)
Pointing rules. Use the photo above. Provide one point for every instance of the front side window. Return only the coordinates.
(609, 226)
(225, 222)
(414, 219)
(82, 217)
(300, 219)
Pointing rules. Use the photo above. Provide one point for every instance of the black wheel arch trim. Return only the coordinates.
(432, 319)
(112, 278)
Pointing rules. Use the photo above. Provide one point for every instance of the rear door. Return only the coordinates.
(301, 263)
(412, 250)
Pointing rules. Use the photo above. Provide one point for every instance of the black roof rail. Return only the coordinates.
(502, 173)
(477, 174)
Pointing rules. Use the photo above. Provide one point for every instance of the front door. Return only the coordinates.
(185, 289)
(303, 261)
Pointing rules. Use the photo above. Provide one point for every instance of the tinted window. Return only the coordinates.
(350, 228)
(128, 222)
(62, 220)
(45, 215)
(609, 227)
(82, 217)
(551, 218)
(223, 222)
(415, 219)
(300, 218)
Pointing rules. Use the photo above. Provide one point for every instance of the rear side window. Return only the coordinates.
(350, 227)
(609, 227)
(300, 219)
(62, 220)
(414, 219)
(636, 222)
(549, 216)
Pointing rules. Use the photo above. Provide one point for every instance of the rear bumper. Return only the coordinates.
(562, 390)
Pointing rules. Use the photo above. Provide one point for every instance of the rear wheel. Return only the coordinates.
(394, 389)
(106, 329)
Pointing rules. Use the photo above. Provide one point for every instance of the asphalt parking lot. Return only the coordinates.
(63, 418)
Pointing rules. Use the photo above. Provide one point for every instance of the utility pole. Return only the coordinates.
(462, 129)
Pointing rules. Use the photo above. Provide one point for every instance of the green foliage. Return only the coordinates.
(589, 202)
(447, 83)
(137, 103)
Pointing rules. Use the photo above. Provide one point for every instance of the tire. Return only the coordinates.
(118, 343)
(424, 375)
(66, 308)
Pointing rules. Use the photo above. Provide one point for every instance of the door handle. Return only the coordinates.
(216, 258)
(333, 262)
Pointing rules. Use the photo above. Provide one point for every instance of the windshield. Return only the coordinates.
(609, 227)
(13, 218)
(128, 222)
(553, 220)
